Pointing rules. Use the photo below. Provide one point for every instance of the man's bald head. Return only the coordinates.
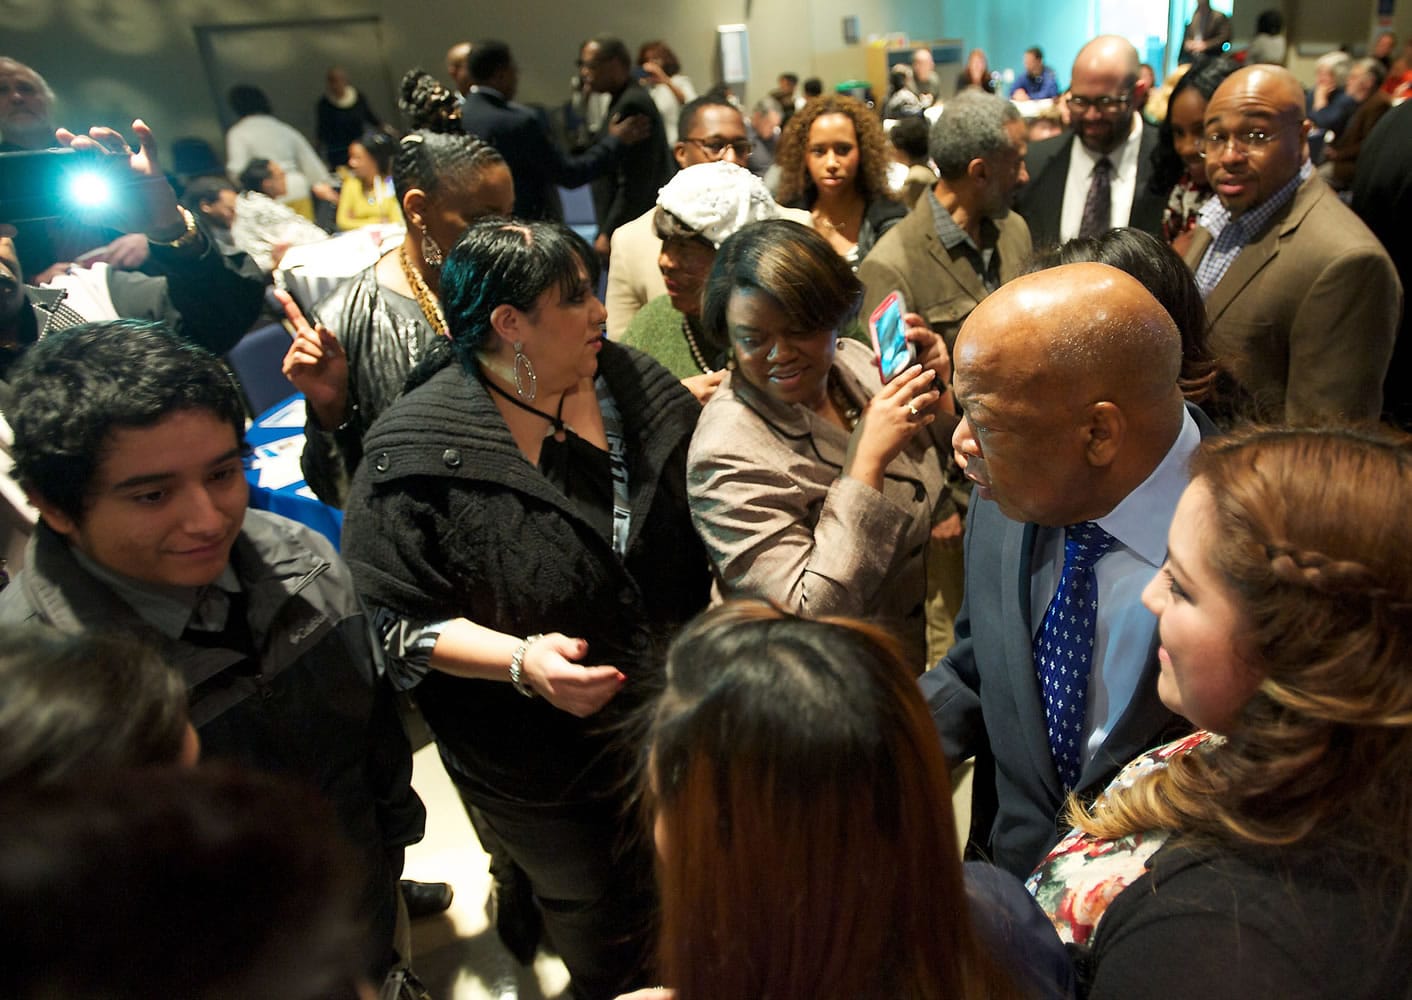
(1272, 83)
(1257, 117)
(1068, 382)
(1108, 54)
(1104, 89)
(1079, 324)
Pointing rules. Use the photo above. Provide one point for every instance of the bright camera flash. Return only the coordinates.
(90, 189)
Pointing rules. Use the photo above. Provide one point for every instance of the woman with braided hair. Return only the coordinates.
(370, 331)
(1269, 853)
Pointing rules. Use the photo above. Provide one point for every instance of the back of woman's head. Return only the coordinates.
(792, 264)
(435, 162)
(500, 262)
(1163, 273)
(427, 103)
(792, 153)
(204, 884)
(806, 841)
(74, 704)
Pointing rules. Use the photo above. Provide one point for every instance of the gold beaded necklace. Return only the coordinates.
(421, 291)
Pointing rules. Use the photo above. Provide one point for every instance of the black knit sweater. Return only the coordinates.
(447, 518)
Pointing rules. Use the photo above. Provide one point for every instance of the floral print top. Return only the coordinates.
(1184, 204)
(1083, 874)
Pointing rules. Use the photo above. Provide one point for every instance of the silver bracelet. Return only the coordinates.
(517, 664)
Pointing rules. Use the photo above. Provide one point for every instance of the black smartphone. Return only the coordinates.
(54, 183)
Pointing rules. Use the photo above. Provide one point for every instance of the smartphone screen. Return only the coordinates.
(895, 355)
(50, 183)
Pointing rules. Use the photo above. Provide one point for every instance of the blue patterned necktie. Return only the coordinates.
(1063, 647)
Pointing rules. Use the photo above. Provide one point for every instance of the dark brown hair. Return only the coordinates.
(808, 845)
(793, 265)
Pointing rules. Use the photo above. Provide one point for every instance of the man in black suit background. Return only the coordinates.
(1101, 181)
(520, 135)
(1073, 430)
(631, 189)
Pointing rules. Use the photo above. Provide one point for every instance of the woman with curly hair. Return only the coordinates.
(833, 161)
(1267, 854)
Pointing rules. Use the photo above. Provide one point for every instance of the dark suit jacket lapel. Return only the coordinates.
(1046, 201)
(1255, 256)
(1017, 554)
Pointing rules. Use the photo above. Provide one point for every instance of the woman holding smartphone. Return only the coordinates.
(812, 483)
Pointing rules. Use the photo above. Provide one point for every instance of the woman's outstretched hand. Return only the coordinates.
(316, 365)
(552, 670)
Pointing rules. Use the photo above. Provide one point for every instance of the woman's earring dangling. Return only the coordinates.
(431, 253)
(522, 361)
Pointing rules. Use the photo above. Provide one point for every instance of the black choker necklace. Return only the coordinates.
(556, 420)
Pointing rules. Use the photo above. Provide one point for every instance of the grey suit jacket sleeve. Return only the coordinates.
(952, 690)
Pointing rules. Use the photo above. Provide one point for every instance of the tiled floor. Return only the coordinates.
(457, 954)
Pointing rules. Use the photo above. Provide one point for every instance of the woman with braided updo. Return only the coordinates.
(1269, 853)
(370, 331)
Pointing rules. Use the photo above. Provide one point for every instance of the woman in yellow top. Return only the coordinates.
(368, 196)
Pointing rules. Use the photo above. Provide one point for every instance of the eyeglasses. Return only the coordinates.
(1244, 142)
(1106, 104)
(716, 148)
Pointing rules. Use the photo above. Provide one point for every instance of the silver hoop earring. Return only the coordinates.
(431, 253)
(522, 361)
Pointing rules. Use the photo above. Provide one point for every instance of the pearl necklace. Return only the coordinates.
(694, 348)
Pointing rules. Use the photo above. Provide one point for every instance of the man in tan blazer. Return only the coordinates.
(1302, 300)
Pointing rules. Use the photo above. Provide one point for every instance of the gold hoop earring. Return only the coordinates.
(431, 253)
(522, 360)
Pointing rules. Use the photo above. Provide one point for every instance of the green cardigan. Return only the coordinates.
(656, 331)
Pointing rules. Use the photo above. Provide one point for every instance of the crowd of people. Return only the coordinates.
(701, 601)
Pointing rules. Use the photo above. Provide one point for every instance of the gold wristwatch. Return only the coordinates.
(188, 237)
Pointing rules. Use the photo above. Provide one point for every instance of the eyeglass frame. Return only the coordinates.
(735, 146)
(1106, 104)
(1243, 141)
